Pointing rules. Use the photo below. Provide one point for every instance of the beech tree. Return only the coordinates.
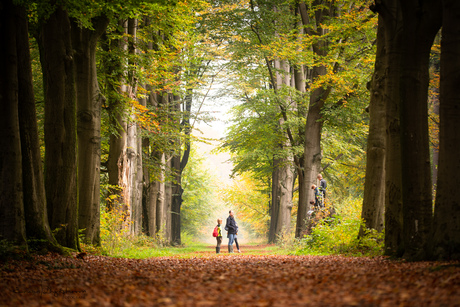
(374, 188)
(89, 103)
(60, 126)
(408, 40)
(446, 228)
(12, 223)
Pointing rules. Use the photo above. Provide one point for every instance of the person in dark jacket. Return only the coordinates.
(322, 185)
(231, 228)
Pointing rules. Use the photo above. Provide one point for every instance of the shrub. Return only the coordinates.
(339, 235)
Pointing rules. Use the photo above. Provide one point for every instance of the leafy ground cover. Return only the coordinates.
(256, 277)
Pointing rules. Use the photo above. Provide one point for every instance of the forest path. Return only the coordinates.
(228, 279)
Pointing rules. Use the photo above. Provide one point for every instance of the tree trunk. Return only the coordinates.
(176, 201)
(280, 219)
(446, 234)
(421, 24)
(161, 216)
(390, 15)
(285, 206)
(374, 186)
(179, 165)
(60, 128)
(12, 225)
(312, 135)
(167, 210)
(275, 201)
(116, 108)
(37, 226)
(89, 101)
(312, 148)
(151, 189)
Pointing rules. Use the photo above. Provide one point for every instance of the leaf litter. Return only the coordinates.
(224, 279)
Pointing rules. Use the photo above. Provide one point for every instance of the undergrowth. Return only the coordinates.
(339, 235)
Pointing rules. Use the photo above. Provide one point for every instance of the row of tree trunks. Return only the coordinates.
(37, 226)
(411, 229)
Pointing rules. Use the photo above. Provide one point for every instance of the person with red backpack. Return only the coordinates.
(217, 233)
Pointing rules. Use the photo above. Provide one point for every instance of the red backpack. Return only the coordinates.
(215, 233)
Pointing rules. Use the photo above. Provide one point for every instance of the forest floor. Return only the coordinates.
(255, 277)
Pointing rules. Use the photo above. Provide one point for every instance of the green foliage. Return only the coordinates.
(339, 235)
(114, 231)
(199, 197)
(249, 199)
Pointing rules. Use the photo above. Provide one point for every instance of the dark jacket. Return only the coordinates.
(231, 225)
(323, 186)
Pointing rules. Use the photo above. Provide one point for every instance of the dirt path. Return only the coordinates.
(229, 280)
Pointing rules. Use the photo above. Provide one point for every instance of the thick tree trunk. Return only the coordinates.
(446, 237)
(12, 225)
(37, 226)
(312, 150)
(390, 15)
(374, 186)
(312, 135)
(300, 85)
(60, 128)
(89, 101)
(421, 24)
(280, 219)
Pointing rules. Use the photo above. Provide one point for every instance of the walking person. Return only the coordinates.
(231, 228)
(219, 235)
(236, 239)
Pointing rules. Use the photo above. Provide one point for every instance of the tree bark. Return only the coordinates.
(446, 234)
(37, 225)
(89, 101)
(422, 21)
(60, 128)
(312, 135)
(390, 15)
(12, 224)
(374, 186)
